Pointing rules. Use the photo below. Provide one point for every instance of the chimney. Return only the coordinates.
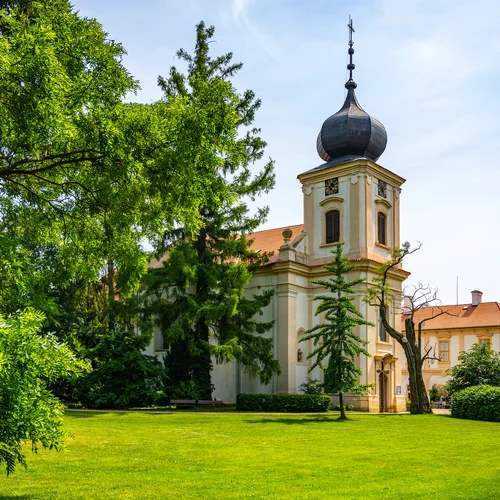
(476, 297)
(407, 305)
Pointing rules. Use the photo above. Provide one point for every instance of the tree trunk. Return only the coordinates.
(201, 364)
(342, 409)
(419, 400)
(202, 360)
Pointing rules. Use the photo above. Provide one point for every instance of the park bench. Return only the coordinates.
(196, 403)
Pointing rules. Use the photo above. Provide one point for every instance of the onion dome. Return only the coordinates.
(351, 132)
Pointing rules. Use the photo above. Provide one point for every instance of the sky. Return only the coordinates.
(429, 70)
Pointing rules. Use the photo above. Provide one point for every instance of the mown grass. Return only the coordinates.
(227, 456)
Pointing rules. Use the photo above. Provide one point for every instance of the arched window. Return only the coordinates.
(332, 221)
(382, 228)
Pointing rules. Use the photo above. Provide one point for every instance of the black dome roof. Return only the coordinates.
(352, 132)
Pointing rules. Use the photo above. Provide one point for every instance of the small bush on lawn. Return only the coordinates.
(292, 403)
(346, 408)
(481, 402)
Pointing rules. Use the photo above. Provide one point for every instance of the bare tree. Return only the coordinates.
(419, 297)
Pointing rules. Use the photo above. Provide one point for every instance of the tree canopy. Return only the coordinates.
(480, 365)
(28, 410)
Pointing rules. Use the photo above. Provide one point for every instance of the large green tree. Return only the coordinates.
(198, 295)
(28, 410)
(335, 339)
(480, 365)
(84, 177)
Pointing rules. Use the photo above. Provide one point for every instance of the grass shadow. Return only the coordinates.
(299, 421)
(17, 497)
(92, 413)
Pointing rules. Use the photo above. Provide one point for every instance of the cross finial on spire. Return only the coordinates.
(351, 31)
(350, 83)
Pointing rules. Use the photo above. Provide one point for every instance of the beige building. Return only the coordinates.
(349, 198)
(454, 329)
(353, 199)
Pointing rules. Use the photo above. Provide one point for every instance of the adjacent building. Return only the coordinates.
(452, 330)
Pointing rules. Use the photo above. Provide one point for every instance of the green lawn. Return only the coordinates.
(200, 455)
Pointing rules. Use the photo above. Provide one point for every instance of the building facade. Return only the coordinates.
(349, 198)
(452, 330)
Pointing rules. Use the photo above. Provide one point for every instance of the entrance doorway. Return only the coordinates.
(382, 384)
(383, 378)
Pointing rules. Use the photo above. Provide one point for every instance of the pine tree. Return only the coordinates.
(335, 340)
(198, 295)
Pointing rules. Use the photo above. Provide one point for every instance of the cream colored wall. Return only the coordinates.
(469, 340)
(454, 349)
(495, 342)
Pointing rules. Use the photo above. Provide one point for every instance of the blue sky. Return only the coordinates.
(429, 70)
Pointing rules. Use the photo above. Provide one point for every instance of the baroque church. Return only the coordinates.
(353, 199)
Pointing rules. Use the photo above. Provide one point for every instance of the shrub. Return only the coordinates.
(288, 403)
(311, 387)
(481, 402)
(346, 408)
(187, 390)
(123, 377)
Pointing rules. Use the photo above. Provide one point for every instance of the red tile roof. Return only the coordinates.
(269, 240)
(459, 316)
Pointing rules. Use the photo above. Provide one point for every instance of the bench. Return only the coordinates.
(196, 403)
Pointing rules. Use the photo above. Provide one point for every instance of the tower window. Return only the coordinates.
(332, 219)
(382, 228)
(382, 189)
(332, 186)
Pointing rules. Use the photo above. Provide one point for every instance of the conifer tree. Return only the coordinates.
(197, 296)
(335, 340)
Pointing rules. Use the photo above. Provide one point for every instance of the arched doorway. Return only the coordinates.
(383, 381)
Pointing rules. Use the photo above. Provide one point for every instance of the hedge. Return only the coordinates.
(292, 403)
(481, 402)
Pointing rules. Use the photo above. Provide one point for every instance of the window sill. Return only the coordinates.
(384, 342)
(381, 245)
(334, 244)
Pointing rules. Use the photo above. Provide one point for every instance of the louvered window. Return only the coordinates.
(332, 226)
(382, 228)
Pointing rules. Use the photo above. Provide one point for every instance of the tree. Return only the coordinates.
(28, 411)
(84, 178)
(198, 295)
(416, 353)
(122, 376)
(480, 365)
(335, 340)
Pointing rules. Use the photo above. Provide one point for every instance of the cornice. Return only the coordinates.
(356, 166)
(384, 202)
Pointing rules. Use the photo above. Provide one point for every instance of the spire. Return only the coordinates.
(351, 132)
(350, 83)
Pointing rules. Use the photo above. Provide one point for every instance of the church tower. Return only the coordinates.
(354, 200)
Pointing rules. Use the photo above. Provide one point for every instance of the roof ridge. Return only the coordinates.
(276, 228)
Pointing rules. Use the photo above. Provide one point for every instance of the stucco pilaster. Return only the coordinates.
(287, 337)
